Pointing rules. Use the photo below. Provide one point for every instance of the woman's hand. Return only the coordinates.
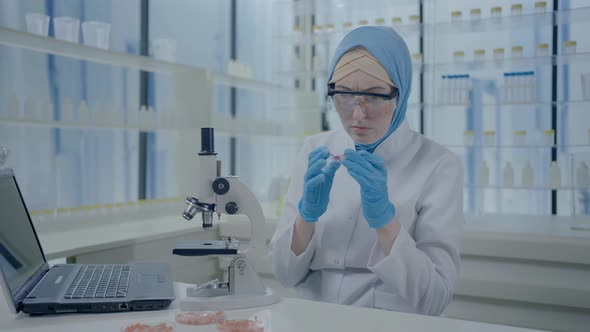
(317, 184)
(370, 172)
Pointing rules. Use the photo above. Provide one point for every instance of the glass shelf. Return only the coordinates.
(509, 22)
(461, 106)
(73, 125)
(510, 62)
(494, 187)
(517, 147)
(19, 39)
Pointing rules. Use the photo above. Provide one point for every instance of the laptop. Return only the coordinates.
(31, 286)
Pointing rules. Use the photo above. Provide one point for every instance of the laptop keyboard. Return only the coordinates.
(100, 282)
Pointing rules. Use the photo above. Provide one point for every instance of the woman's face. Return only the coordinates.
(366, 120)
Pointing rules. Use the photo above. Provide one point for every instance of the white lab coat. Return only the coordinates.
(344, 262)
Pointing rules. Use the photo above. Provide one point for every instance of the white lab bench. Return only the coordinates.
(289, 314)
(516, 270)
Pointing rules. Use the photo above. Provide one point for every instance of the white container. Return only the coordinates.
(586, 86)
(542, 50)
(549, 137)
(37, 23)
(554, 176)
(582, 176)
(96, 34)
(67, 28)
(569, 47)
(496, 12)
(489, 138)
(479, 55)
(508, 175)
(516, 9)
(520, 137)
(164, 49)
(468, 138)
(528, 175)
(498, 54)
(484, 174)
(83, 113)
(540, 7)
(517, 51)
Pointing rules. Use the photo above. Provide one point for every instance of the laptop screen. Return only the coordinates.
(20, 253)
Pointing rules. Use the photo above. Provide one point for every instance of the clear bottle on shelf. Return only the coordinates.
(83, 113)
(484, 174)
(458, 56)
(67, 111)
(380, 21)
(30, 109)
(516, 9)
(318, 29)
(456, 15)
(489, 138)
(468, 137)
(498, 54)
(520, 137)
(443, 90)
(569, 47)
(585, 77)
(47, 111)
(549, 137)
(528, 175)
(496, 12)
(542, 50)
(396, 20)
(507, 89)
(414, 19)
(517, 51)
(554, 176)
(347, 26)
(479, 54)
(475, 14)
(13, 108)
(531, 91)
(363, 22)
(540, 7)
(508, 175)
(583, 176)
(329, 27)
(417, 58)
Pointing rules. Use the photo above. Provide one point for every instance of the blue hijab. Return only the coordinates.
(392, 52)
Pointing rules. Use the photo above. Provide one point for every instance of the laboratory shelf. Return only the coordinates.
(516, 147)
(508, 22)
(245, 127)
(520, 188)
(302, 73)
(514, 104)
(73, 125)
(25, 40)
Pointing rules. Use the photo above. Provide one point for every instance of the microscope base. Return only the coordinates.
(227, 302)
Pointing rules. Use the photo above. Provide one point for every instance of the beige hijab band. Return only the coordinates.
(359, 59)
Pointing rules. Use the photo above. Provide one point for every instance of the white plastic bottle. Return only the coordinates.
(583, 176)
(528, 175)
(484, 174)
(554, 176)
(508, 175)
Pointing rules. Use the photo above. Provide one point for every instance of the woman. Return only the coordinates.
(381, 228)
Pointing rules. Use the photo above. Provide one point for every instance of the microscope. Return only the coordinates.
(225, 194)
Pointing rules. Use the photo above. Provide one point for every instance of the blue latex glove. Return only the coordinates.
(370, 172)
(317, 184)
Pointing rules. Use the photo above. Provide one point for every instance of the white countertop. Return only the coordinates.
(287, 315)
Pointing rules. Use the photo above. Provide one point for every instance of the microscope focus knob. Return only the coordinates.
(220, 186)
(231, 208)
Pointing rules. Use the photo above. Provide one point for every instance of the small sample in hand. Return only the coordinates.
(336, 156)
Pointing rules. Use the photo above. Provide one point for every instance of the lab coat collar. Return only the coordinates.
(396, 143)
